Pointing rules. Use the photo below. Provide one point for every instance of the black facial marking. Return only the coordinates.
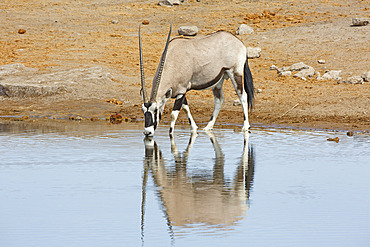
(148, 119)
(155, 120)
(147, 105)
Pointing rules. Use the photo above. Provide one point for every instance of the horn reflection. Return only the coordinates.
(205, 198)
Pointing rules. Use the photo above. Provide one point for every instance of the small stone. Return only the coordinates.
(244, 29)
(360, 22)
(21, 31)
(366, 76)
(309, 72)
(145, 22)
(331, 75)
(336, 139)
(115, 21)
(350, 133)
(116, 118)
(188, 30)
(236, 102)
(283, 69)
(259, 90)
(298, 66)
(254, 52)
(285, 73)
(168, 2)
(354, 80)
(273, 67)
(321, 61)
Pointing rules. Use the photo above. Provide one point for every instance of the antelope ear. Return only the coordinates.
(169, 93)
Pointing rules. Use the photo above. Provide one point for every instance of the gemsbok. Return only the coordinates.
(196, 64)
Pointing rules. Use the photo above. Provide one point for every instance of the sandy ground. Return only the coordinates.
(80, 34)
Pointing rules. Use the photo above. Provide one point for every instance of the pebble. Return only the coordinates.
(244, 29)
(350, 133)
(145, 22)
(236, 102)
(321, 61)
(336, 139)
(298, 66)
(331, 75)
(188, 30)
(360, 21)
(254, 52)
(366, 76)
(356, 79)
(21, 31)
(273, 67)
(168, 2)
(115, 21)
(285, 73)
(309, 72)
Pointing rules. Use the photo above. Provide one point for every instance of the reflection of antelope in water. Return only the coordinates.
(193, 199)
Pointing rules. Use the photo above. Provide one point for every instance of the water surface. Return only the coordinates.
(82, 184)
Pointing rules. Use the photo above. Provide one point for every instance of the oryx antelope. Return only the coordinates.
(197, 64)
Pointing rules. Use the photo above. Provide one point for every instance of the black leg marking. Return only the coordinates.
(185, 102)
(178, 103)
(239, 83)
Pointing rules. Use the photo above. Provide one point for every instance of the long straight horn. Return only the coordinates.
(143, 89)
(158, 73)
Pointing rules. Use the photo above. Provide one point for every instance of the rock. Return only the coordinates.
(244, 29)
(360, 21)
(273, 67)
(21, 31)
(79, 81)
(114, 21)
(168, 2)
(285, 73)
(336, 139)
(145, 22)
(236, 102)
(309, 72)
(254, 52)
(321, 61)
(116, 118)
(331, 75)
(366, 76)
(10, 69)
(283, 69)
(350, 133)
(188, 30)
(298, 66)
(354, 80)
(29, 90)
(259, 90)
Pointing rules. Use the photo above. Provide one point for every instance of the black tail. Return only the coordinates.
(248, 85)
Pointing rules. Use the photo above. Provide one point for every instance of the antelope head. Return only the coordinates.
(152, 108)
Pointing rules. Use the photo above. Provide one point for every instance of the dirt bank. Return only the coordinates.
(65, 35)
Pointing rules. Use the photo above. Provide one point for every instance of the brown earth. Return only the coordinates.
(54, 34)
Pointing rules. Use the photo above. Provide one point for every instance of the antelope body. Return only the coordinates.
(197, 64)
